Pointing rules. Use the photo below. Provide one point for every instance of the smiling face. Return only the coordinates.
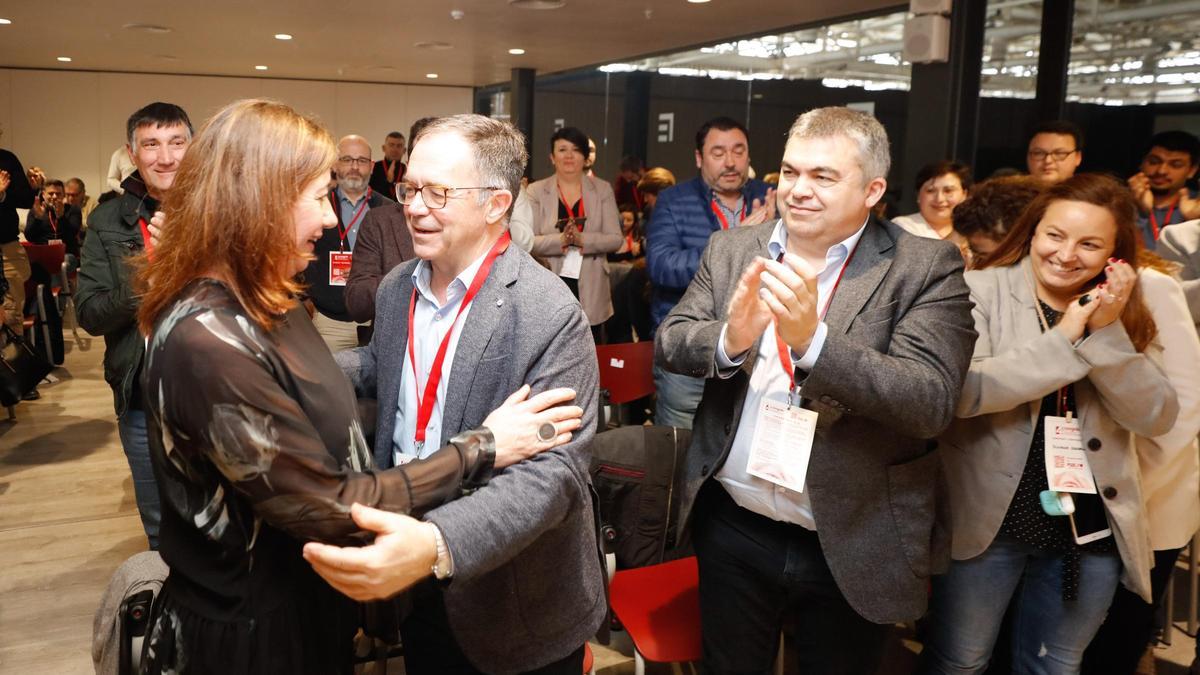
(1168, 170)
(453, 236)
(311, 214)
(566, 158)
(156, 153)
(724, 161)
(823, 196)
(938, 197)
(1071, 246)
(1053, 157)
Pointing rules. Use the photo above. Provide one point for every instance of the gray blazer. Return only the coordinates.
(528, 587)
(886, 382)
(1118, 393)
(601, 235)
(1180, 243)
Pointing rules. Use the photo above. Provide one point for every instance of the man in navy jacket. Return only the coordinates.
(721, 196)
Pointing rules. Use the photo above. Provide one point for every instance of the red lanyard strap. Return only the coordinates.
(721, 214)
(146, 238)
(53, 218)
(426, 402)
(576, 218)
(785, 357)
(355, 217)
(1166, 221)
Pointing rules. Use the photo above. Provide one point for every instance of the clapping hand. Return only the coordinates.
(1113, 294)
(761, 210)
(790, 290)
(1139, 183)
(5, 181)
(1189, 207)
(748, 314)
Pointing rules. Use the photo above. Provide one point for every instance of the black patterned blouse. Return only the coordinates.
(257, 448)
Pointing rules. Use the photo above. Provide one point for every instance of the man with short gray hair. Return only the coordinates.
(834, 346)
(507, 579)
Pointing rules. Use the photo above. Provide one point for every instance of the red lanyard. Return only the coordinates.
(354, 217)
(146, 238)
(721, 214)
(425, 403)
(53, 218)
(577, 219)
(629, 242)
(785, 357)
(1166, 221)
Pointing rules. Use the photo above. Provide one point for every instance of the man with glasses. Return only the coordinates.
(506, 579)
(722, 196)
(1055, 151)
(326, 276)
(77, 196)
(1161, 185)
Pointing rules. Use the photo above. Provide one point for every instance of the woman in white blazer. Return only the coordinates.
(1170, 466)
(575, 226)
(1045, 362)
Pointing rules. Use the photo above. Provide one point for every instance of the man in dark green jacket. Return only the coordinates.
(158, 135)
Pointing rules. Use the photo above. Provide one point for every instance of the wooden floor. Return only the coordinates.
(68, 519)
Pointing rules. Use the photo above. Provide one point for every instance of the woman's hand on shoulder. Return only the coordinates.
(524, 426)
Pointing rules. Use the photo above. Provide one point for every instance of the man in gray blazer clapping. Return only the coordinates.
(507, 579)
(834, 346)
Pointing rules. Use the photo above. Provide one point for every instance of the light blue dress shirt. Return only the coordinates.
(768, 381)
(347, 208)
(431, 321)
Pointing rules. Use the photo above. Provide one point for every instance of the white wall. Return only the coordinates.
(69, 123)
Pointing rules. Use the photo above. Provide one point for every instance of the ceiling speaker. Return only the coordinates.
(930, 6)
(927, 39)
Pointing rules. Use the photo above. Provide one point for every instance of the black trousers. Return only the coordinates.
(430, 647)
(1126, 631)
(755, 573)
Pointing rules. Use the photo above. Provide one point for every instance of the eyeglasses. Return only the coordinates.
(434, 196)
(361, 161)
(738, 151)
(1057, 155)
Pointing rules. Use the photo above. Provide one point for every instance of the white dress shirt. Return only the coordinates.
(768, 381)
(430, 324)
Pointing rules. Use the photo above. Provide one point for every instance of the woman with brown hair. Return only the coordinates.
(1041, 463)
(254, 433)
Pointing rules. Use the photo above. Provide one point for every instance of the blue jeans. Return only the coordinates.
(132, 428)
(1048, 634)
(678, 398)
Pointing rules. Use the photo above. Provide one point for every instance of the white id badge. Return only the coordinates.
(1067, 467)
(782, 444)
(339, 267)
(572, 263)
(54, 242)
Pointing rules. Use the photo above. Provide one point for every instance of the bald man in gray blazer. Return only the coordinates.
(881, 365)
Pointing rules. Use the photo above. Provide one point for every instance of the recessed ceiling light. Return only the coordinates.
(435, 45)
(697, 2)
(4, 22)
(148, 28)
(516, 51)
(64, 59)
(282, 36)
(538, 4)
(260, 67)
(432, 76)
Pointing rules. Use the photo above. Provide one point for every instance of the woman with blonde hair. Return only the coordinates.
(1046, 499)
(254, 433)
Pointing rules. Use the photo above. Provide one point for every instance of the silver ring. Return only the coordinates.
(547, 432)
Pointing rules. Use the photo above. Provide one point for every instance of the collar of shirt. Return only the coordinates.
(422, 275)
(345, 201)
(736, 211)
(835, 257)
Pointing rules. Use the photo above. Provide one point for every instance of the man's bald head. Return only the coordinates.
(353, 166)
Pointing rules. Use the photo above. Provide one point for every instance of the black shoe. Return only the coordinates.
(32, 395)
